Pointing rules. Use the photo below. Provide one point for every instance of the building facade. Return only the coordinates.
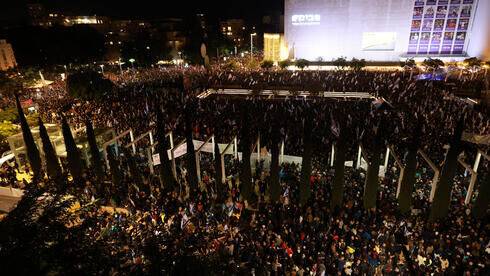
(388, 30)
(7, 58)
(275, 47)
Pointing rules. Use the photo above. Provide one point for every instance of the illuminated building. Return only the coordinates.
(235, 30)
(7, 58)
(388, 30)
(86, 20)
(275, 47)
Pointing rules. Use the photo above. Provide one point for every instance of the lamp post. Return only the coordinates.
(252, 44)
(120, 66)
(132, 60)
(102, 68)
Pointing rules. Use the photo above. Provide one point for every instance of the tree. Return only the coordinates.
(305, 189)
(246, 172)
(408, 178)
(433, 64)
(340, 63)
(88, 85)
(275, 187)
(116, 173)
(266, 64)
(195, 37)
(96, 161)
(302, 63)
(147, 48)
(231, 65)
(409, 63)
(31, 148)
(52, 166)
(442, 196)
(284, 64)
(166, 175)
(339, 167)
(372, 178)
(44, 235)
(473, 63)
(357, 64)
(75, 164)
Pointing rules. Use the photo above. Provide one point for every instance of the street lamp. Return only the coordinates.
(102, 67)
(120, 66)
(132, 60)
(252, 44)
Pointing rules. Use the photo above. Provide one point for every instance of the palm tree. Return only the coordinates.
(275, 187)
(97, 164)
(442, 196)
(305, 189)
(52, 166)
(408, 178)
(31, 148)
(372, 177)
(75, 163)
(245, 173)
(166, 175)
(339, 167)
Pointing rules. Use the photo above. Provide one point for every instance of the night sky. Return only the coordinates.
(214, 9)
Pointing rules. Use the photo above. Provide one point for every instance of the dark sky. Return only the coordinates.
(248, 9)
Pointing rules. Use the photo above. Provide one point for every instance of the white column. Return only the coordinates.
(387, 158)
(471, 188)
(332, 155)
(477, 162)
(258, 148)
(198, 166)
(223, 175)
(132, 141)
(105, 157)
(150, 160)
(435, 180)
(359, 153)
(151, 137)
(171, 141)
(214, 146)
(235, 144)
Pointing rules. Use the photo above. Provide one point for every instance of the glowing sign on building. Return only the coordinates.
(305, 19)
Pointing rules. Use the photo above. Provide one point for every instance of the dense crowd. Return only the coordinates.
(226, 235)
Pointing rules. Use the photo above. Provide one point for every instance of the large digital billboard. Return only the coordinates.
(440, 27)
(385, 30)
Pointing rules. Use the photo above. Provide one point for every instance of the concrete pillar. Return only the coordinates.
(387, 158)
(359, 156)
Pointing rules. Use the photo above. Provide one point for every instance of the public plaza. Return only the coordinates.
(252, 163)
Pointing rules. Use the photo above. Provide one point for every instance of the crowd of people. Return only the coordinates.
(165, 229)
